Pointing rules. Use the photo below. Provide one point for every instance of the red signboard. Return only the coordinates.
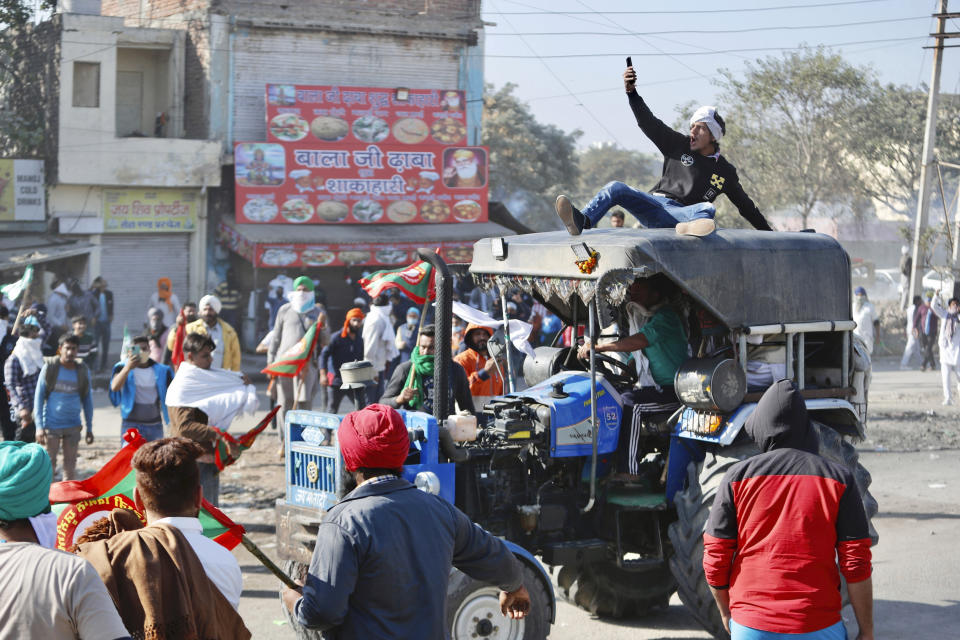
(361, 155)
(373, 254)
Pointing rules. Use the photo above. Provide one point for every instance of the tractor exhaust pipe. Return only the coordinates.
(442, 321)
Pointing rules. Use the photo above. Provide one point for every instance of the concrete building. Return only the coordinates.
(234, 48)
(125, 190)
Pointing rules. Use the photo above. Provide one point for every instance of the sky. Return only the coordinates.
(566, 56)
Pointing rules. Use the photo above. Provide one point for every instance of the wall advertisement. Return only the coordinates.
(361, 155)
(149, 210)
(22, 191)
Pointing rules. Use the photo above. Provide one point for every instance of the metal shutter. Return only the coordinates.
(132, 264)
(270, 57)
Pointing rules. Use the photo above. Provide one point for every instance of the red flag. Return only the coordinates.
(221, 451)
(418, 282)
(78, 503)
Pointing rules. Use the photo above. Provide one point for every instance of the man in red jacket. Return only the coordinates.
(781, 523)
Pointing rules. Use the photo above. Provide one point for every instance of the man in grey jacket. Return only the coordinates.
(384, 552)
(293, 321)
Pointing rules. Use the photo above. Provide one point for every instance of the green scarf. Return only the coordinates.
(422, 366)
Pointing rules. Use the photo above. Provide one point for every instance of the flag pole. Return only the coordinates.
(268, 563)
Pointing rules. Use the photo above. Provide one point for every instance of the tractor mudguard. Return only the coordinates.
(528, 558)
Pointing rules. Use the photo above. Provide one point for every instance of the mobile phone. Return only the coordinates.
(135, 350)
(629, 62)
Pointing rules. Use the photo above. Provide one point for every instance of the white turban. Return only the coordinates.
(708, 116)
(211, 301)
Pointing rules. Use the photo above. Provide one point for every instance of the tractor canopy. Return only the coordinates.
(743, 277)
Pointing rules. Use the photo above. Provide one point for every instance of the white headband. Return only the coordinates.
(708, 116)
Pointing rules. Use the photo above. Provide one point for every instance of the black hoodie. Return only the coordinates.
(780, 521)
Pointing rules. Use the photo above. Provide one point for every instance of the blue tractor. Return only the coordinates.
(758, 306)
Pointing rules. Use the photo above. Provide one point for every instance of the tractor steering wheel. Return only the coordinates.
(619, 373)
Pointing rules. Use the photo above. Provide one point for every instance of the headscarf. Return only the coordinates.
(305, 281)
(211, 301)
(422, 366)
(353, 313)
(165, 296)
(25, 476)
(29, 352)
(373, 437)
(708, 116)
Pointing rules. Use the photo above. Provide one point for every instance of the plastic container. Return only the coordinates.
(462, 427)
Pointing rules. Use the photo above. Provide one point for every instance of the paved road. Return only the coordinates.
(916, 581)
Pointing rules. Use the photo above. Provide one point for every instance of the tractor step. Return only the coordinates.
(636, 500)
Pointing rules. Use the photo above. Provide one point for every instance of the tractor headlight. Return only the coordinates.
(428, 482)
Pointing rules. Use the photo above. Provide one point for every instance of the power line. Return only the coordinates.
(567, 89)
(707, 31)
(687, 12)
(702, 53)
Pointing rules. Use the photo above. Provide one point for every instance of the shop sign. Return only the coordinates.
(332, 255)
(358, 155)
(149, 210)
(22, 192)
(236, 242)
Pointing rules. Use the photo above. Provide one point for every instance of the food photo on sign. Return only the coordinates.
(334, 255)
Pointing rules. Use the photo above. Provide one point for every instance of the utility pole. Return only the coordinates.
(929, 141)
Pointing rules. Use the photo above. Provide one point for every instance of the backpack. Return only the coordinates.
(53, 370)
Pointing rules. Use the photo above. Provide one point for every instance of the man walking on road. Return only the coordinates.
(346, 346)
(293, 321)
(913, 343)
(227, 353)
(101, 330)
(139, 388)
(21, 372)
(63, 391)
(694, 175)
(949, 341)
(384, 552)
(781, 524)
(379, 343)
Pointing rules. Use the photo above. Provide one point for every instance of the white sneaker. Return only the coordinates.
(699, 227)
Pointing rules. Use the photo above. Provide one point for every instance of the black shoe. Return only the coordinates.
(571, 217)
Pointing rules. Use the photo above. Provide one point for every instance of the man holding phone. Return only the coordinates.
(694, 174)
(139, 388)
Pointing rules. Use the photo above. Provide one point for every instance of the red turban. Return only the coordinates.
(353, 313)
(374, 437)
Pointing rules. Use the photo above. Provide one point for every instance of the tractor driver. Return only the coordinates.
(659, 345)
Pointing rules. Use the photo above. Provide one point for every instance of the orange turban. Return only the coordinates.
(353, 313)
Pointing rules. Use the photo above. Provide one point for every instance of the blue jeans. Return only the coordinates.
(149, 432)
(833, 632)
(653, 211)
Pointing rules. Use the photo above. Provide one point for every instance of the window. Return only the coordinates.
(86, 84)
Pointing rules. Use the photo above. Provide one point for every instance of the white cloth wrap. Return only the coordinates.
(519, 330)
(219, 393)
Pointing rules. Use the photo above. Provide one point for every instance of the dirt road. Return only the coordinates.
(912, 450)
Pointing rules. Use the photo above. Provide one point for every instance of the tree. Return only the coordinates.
(603, 163)
(530, 162)
(888, 144)
(21, 126)
(790, 123)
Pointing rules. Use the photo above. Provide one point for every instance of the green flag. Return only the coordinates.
(80, 503)
(417, 281)
(291, 362)
(14, 289)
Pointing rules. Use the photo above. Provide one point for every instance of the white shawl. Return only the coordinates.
(219, 393)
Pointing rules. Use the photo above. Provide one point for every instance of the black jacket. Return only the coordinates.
(459, 388)
(340, 350)
(689, 177)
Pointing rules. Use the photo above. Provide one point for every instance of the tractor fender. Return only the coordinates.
(528, 558)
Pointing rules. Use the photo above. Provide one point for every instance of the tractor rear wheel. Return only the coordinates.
(604, 589)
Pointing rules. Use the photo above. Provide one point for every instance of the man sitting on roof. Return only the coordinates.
(659, 345)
